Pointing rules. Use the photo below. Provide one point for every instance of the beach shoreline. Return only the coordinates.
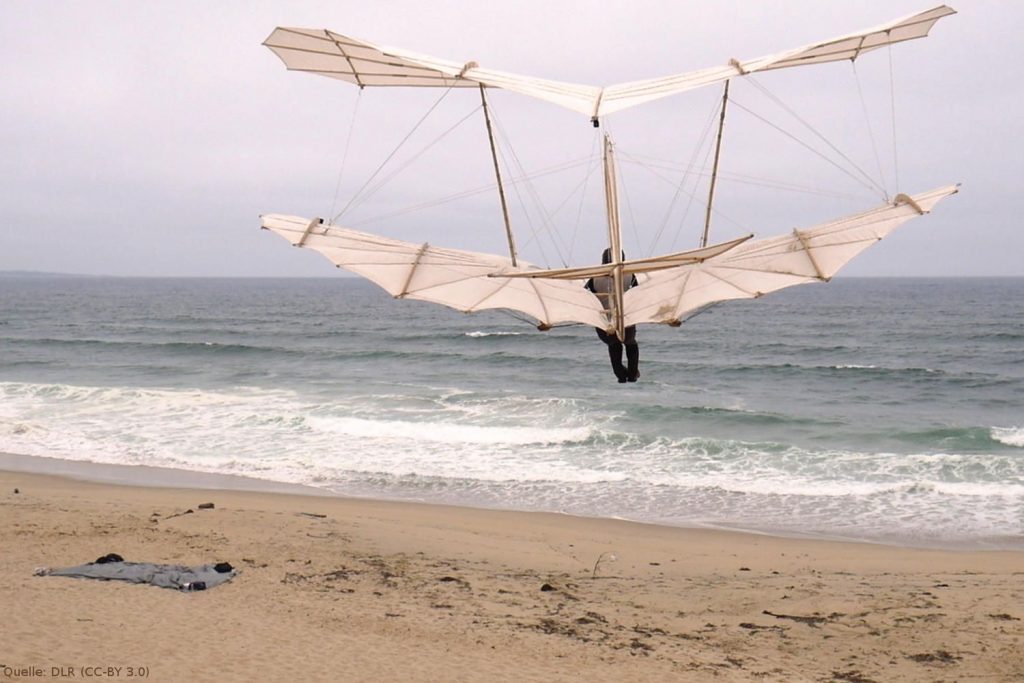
(167, 477)
(336, 588)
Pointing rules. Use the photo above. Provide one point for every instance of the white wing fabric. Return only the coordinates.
(357, 61)
(470, 281)
(848, 47)
(464, 280)
(758, 267)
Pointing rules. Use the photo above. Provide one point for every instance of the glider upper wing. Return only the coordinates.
(365, 64)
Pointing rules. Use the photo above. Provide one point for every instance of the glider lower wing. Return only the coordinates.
(471, 281)
(758, 267)
(464, 280)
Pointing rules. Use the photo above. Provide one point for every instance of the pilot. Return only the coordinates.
(602, 287)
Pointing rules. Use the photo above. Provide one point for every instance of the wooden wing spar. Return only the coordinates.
(330, 54)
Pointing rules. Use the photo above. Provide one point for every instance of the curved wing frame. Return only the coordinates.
(366, 64)
(464, 280)
(758, 267)
(671, 286)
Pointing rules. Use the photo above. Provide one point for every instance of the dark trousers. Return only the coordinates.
(624, 374)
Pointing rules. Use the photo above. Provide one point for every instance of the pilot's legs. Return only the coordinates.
(632, 355)
(615, 353)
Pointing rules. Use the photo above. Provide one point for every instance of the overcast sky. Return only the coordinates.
(145, 138)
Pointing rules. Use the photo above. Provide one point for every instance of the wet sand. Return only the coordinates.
(350, 589)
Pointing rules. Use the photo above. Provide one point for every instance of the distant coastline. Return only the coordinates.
(42, 275)
(49, 275)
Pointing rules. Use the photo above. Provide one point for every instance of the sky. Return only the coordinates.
(146, 138)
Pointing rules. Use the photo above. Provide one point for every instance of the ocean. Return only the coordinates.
(888, 410)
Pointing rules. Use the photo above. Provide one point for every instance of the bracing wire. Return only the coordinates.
(682, 181)
(545, 218)
(480, 189)
(344, 154)
(519, 198)
(892, 106)
(872, 184)
(691, 194)
(393, 152)
(386, 179)
(629, 208)
(534, 235)
(867, 121)
(591, 166)
(741, 178)
(581, 188)
(693, 198)
(572, 193)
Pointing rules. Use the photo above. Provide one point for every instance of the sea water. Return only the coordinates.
(879, 409)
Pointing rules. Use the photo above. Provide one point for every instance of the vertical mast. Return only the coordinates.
(497, 174)
(614, 239)
(714, 169)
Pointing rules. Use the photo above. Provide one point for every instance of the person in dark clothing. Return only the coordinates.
(602, 287)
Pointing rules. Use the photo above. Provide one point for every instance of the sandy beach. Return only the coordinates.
(347, 589)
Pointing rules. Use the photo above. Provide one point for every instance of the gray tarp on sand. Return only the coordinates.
(174, 576)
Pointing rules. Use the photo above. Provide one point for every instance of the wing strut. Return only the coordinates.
(714, 168)
(614, 239)
(497, 174)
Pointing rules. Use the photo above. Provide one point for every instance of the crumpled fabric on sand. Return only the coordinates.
(178, 577)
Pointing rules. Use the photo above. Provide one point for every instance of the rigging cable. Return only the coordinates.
(574, 190)
(867, 121)
(480, 189)
(547, 227)
(870, 185)
(522, 202)
(393, 152)
(344, 155)
(629, 206)
(818, 134)
(892, 103)
(682, 182)
(734, 177)
(386, 179)
(692, 195)
(591, 166)
(693, 198)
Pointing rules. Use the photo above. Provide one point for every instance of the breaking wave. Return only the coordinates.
(1011, 436)
(478, 334)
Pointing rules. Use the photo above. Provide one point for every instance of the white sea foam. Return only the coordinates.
(776, 470)
(280, 435)
(441, 432)
(1011, 436)
(509, 449)
(477, 334)
(980, 489)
